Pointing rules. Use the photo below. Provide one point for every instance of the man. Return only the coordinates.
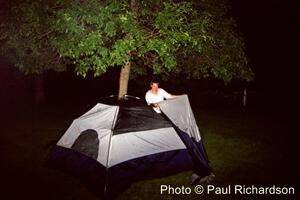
(156, 95)
(153, 97)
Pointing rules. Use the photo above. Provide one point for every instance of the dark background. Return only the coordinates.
(271, 30)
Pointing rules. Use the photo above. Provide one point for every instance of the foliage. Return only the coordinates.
(24, 36)
(191, 38)
(223, 55)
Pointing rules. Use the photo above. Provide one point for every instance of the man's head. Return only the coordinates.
(154, 84)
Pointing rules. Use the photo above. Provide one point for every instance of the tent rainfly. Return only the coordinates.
(115, 144)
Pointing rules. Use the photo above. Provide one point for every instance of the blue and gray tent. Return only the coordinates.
(116, 144)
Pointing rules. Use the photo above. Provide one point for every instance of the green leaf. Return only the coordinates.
(110, 29)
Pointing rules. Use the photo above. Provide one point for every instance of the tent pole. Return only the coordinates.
(108, 153)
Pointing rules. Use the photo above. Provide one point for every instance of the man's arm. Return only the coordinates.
(173, 96)
(168, 95)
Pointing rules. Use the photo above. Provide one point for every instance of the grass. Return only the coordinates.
(244, 147)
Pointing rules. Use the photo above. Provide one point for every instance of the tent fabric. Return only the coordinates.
(131, 119)
(179, 111)
(113, 145)
(137, 144)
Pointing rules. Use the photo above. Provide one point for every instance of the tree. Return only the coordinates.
(24, 36)
(191, 38)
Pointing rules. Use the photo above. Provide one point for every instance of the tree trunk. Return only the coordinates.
(245, 96)
(124, 78)
(39, 92)
(125, 71)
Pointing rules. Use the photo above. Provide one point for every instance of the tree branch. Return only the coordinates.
(45, 34)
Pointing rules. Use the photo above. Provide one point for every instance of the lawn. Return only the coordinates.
(245, 147)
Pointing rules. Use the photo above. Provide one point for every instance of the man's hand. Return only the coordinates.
(154, 105)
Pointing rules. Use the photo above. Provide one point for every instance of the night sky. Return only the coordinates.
(270, 29)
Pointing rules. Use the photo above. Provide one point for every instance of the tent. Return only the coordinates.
(117, 143)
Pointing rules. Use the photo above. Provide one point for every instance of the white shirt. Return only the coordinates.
(156, 98)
